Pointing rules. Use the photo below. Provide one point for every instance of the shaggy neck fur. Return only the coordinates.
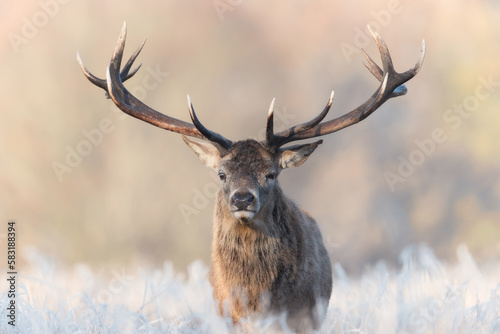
(251, 257)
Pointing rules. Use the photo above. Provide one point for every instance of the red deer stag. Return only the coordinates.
(268, 256)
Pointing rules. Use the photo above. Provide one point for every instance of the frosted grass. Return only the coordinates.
(423, 296)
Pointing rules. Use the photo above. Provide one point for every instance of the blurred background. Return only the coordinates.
(86, 183)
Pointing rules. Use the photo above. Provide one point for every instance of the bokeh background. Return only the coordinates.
(134, 194)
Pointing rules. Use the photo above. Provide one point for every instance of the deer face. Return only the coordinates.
(248, 175)
(248, 172)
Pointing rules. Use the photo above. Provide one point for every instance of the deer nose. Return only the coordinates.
(242, 200)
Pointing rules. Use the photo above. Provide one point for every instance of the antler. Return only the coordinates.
(128, 103)
(392, 85)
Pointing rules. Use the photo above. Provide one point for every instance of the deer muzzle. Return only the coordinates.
(244, 204)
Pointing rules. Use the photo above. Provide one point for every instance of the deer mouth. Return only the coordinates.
(243, 214)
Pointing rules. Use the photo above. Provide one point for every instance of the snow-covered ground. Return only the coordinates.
(424, 295)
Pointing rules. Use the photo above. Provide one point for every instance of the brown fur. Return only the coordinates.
(275, 261)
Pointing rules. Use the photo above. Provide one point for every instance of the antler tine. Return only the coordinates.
(210, 135)
(379, 95)
(385, 55)
(373, 67)
(116, 59)
(392, 85)
(270, 125)
(315, 121)
(125, 75)
(420, 62)
(386, 62)
(295, 130)
(92, 78)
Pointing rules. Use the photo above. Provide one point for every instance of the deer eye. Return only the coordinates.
(222, 176)
(270, 176)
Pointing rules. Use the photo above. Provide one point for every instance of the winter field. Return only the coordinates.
(424, 295)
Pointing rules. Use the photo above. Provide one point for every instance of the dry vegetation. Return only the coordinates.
(422, 296)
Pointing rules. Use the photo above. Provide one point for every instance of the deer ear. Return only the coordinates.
(295, 156)
(208, 154)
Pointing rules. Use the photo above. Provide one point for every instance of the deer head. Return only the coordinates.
(248, 173)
